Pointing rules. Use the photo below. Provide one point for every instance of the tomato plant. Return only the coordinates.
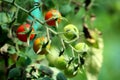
(52, 17)
(64, 51)
(23, 32)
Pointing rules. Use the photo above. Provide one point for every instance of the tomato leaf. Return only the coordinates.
(11, 50)
(45, 70)
(60, 76)
(15, 72)
(46, 78)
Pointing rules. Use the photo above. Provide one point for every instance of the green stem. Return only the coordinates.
(16, 5)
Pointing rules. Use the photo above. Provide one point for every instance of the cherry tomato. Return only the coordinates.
(81, 47)
(71, 31)
(61, 63)
(51, 59)
(39, 43)
(52, 55)
(70, 72)
(23, 37)
(52, 14)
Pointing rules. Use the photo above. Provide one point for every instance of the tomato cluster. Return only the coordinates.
(52, 40)
(42, 44)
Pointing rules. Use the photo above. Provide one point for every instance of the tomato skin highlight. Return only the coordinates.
(23, 37)
(50, 14)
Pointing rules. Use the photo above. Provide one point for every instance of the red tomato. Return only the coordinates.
(53, 14)
(23, 37)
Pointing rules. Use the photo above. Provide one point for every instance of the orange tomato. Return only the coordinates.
(39, 43)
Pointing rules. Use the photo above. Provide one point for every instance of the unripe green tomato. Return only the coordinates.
(71, 31)
(61, 63)
(52, 55)
(51, 59)
(70, 72)
(82, 47)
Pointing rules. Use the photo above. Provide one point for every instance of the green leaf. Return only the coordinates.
(94, 61)
(44, 70)
(65, 9)
(61, 76)
(15, 72)
(4, 18)
(11, 50)
(24, 61)
(46, 78)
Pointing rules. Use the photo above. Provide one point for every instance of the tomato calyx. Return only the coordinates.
(61, 52)
(71, 71)
(43, 48)
(70, 61)
(27, 30)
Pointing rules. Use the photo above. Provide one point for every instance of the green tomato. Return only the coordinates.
(61, 63)
(52, 55)
(82, 47)
(51, 59)
(70, 72)
(71, 31)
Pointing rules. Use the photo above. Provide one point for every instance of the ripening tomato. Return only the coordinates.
(25, 29)
(54, 15)
(39, 43)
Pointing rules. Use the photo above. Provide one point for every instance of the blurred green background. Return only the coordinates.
(108, 21)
